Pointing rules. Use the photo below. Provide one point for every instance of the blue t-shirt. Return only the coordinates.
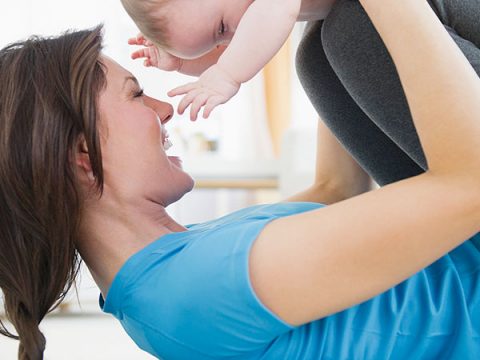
(188, 296)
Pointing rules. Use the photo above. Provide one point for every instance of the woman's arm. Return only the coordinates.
(337, 175)
(310, 265)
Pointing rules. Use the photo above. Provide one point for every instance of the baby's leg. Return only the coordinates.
(371, 147)
(363, 65)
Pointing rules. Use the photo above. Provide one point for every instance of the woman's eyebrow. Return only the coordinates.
(130, 78)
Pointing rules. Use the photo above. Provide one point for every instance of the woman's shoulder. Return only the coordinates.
(259, 212)
(202, 272)
(179, 255)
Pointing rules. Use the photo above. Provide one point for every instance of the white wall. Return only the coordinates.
(239, 125)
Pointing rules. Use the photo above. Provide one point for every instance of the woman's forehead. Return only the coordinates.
(112, 67)
(117, 75)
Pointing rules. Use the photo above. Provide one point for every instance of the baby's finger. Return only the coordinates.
(187, 100)
(197, 103)
(211, 104)
(137, 40)
(141, 53)
(153, 56)
(182, 89)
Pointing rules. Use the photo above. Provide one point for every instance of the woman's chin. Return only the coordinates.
(175, 160)
(187, 180)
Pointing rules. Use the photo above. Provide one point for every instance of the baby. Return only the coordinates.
(226, 42)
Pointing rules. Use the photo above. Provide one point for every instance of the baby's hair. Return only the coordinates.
(149, 19)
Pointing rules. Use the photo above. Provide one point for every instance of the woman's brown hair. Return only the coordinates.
(48, 103)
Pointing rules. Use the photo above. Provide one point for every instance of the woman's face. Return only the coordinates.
(133, 143)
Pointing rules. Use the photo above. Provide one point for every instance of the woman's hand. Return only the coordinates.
(153, 55)
(338, 176)
(213, 87)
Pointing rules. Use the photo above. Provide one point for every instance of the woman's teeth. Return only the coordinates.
(167, 144)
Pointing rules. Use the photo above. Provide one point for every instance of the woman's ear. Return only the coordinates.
(82, 160)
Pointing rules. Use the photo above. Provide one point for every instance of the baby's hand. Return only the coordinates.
(153, 55)
(213, 87)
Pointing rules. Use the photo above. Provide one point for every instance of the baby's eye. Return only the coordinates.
(138, 93)
(221, 30)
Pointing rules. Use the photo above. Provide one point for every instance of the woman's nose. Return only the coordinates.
(163, 109)
(166, 112)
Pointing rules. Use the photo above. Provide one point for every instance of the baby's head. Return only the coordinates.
(151, 18)
(187, 28)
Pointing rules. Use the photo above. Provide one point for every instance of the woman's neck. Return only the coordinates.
(112, 231)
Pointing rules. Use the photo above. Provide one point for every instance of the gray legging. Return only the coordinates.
(353, 84)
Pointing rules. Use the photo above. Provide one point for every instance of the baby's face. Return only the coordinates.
(196, 27)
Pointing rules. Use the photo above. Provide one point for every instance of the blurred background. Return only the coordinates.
(257, 148)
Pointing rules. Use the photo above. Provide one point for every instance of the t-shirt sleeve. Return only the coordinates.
(207, 301)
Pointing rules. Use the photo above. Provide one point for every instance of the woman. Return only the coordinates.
(83, 166)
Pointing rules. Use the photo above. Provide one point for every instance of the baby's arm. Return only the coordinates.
(157, 57)
(196, 67)
(262, 31)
